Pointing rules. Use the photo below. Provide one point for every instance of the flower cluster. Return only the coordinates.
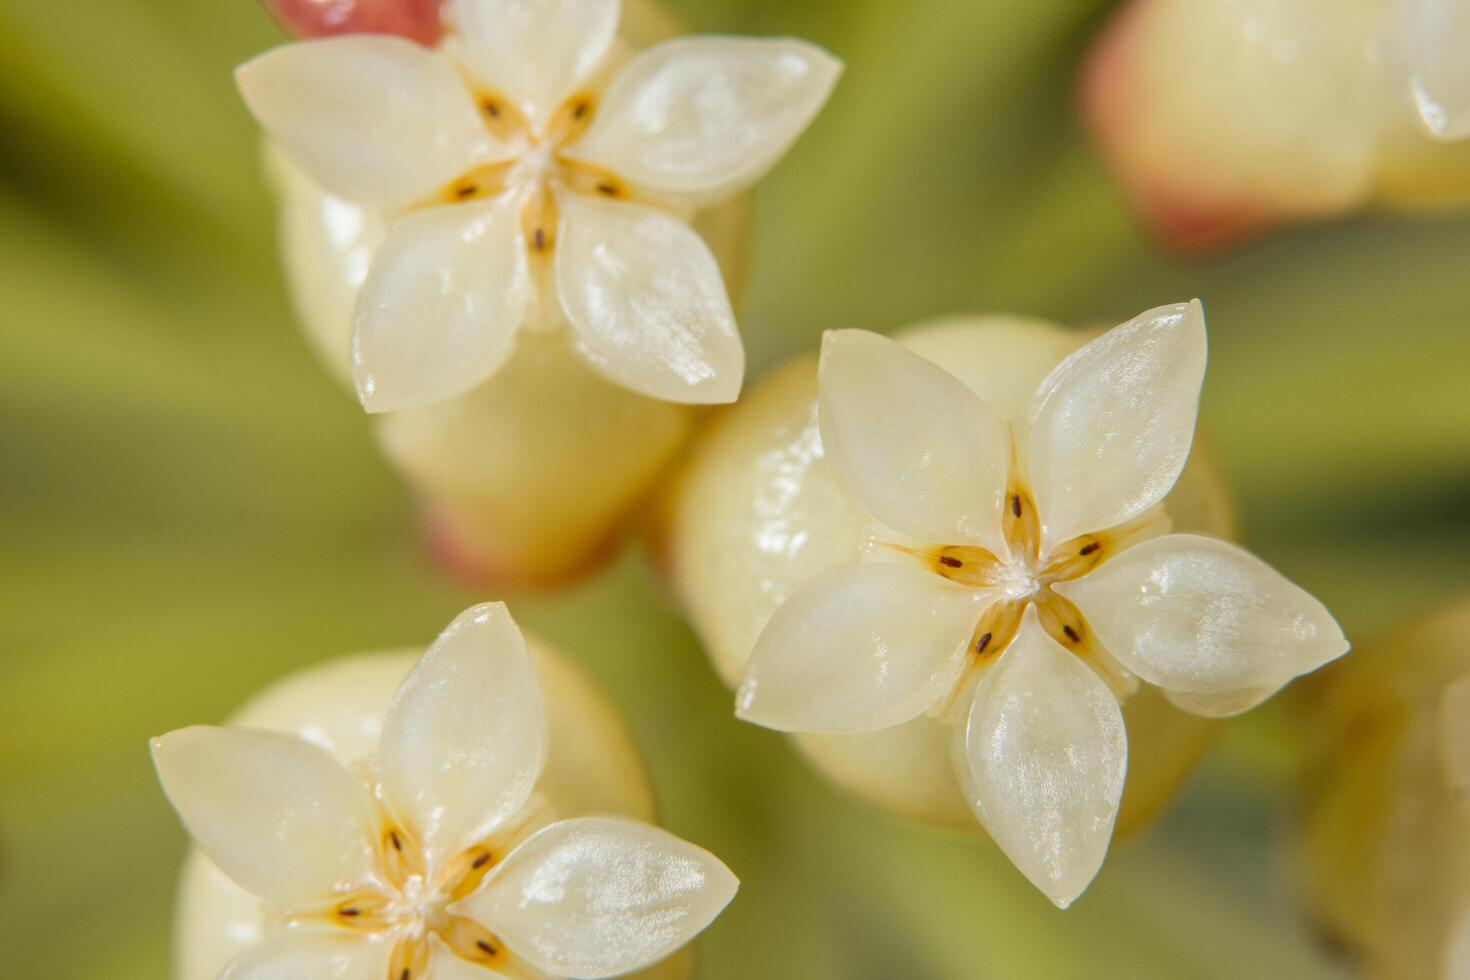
(434, 857)
(531, 174)
(1020, 581)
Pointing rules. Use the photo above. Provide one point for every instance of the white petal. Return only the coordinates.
(370, 118)
(1114, 422)
(1191, 613)
(534, 52)
(1435, 37)
(646, 302)
(918, 448)
(1222, 704)
(444, 297)
(859, 648)
(465, 738)
(700, 118)
(277, 815)
(309, 955)
(1043, 756)
(599, 896)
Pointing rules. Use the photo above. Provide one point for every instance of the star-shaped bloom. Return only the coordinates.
(435, 859)
(1020, 582)
(532, 174)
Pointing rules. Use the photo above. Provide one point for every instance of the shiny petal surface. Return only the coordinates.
(919, 449)
(599, 896)
(1191, 613)
(1435, 38)
(534, 52)
(701, 118)
(310, 955)
(370, 118)
(1043, 755)
(277, 815)
(1222, 704)
(466, 736)
(646, 302)
(444, 297)
(1113, 423)
(859, 648)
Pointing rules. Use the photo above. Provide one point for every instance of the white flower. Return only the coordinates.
(435, 859)
(522, 186)
(1020, 582)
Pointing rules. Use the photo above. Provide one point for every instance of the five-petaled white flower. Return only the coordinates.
(1021, 579)
(531, 178)
(436, 859)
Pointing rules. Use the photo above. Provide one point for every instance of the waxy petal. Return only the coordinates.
(702, 118)
(444, 297)
(1113, 423)
(646, 302)
(533, 52)
(1223, 704)
(310, 955)
(1042, 759)
(600, 896)
(918, 448)
(859, 648)
(465, 738)
(371, 118)
(276, 814)
(1191, 613)
(1434, 36)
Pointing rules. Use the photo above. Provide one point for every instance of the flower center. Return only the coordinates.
(408, 902)
(1025, 576)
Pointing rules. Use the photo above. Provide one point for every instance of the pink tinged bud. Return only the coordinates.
(1184, 214)
(417, 20)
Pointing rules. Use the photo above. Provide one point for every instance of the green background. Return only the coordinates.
(189, 506)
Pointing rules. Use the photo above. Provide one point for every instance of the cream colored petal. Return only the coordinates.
(1113, 423)
(465, 738)
(277, 815)
(1042, 757)
(438, 314)
(700, 118)
(310, 955)
(1454, 736)
(370, 118)
(600, 896)
(916, 446)
(534, 52)
(1222, 704)
(1435, 40)
(1190, 613)
(859, 648)
(646, 302)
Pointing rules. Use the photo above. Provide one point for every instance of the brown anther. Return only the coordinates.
(485, 947)
(538, 239)
(473, 942)
(1088, 549)
(1016, 504)
(949, 561)
(1072, 634)
(395, 840)
(491, 107)
(481, 861)
(983, 642)
(608, 190)
(465, 190)
(350, 912)
(581, 107)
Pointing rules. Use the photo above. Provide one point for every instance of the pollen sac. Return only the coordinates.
(1383, 839)
(417, 20)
